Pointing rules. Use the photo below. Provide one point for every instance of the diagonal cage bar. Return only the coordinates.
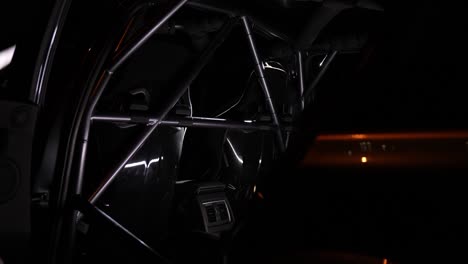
(97, 214)
(92, 99)
(130, 49)
(311, 90)
(181, 88)
(263, 83)
(104, 79)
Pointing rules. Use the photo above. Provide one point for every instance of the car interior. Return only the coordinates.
(260, 131)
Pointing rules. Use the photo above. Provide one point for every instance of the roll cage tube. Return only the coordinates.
(95, 90)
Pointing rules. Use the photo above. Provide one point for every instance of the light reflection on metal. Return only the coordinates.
(6, 56)
(143, 163)
(324, 58)
(300, 67)
(44, 66)
(311, 90)
(210, 118)
(266, 65)
(183, 181)
(136, 164)
(235, 152)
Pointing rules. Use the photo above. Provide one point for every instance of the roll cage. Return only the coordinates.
(70, 201)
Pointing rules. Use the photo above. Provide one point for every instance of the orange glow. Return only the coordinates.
(358, 136)
(385, 261)
(434, 148)
(395, 136)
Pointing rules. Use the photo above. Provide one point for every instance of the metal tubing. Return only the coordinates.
(93, 96)
(301, 78)
(100, 86)
(93, 212)
(311, 90)
(122, 56)
(189, 122)
(231, 11)
(47, 50)
(263, 83)
(180, 90)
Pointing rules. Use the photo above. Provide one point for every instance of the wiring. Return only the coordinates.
(266, 65)
(240, 98)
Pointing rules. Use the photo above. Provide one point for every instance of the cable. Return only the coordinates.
(266, 65)
(240, 98)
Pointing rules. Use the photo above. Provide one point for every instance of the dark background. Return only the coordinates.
(415, 78)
